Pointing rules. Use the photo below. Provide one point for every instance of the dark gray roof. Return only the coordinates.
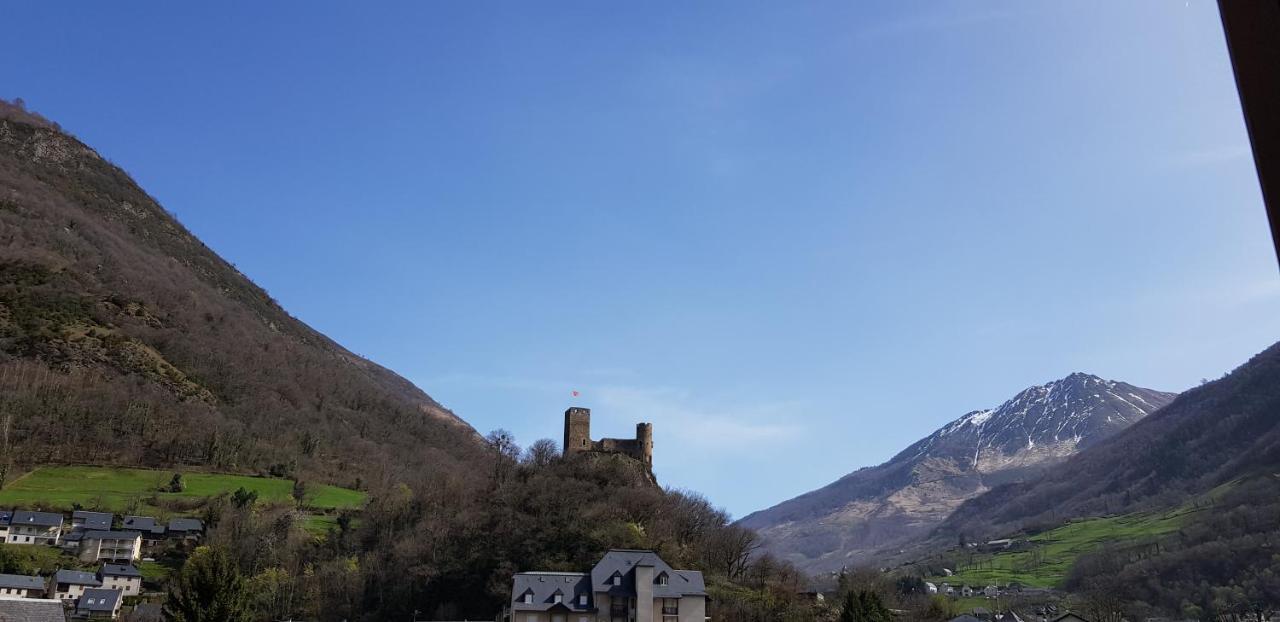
(31, 610)
(545, 585)
(142, 523)
(76, 577)
(119, 570)
(98, 599)
(43, 519)
(624, 561)
(110, 535)
(6, 516)
(93, 520)
(21, 582)
(965, 618)
(185, 524)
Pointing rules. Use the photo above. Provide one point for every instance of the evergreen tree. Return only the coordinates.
(209, 588)
(864, 606)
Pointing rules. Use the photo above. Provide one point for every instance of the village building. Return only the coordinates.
(6, 517)
(100, 603)
(1069, 617)
(21, 586)
(31, 609)
(185, 528)
(68, 585)
(35, 528)
(83, 520)
(625, 586)
(111, 546)
(152, 530)
(123, 577)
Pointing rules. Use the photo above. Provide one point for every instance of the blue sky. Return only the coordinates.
(794, 236)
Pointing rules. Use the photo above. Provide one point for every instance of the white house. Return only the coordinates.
(6, 517)
(21, 586)
(83, 520)
(625, 586)
(122, 577)
(68, 585)
(113, 546)
(99, 602)
(35, 528)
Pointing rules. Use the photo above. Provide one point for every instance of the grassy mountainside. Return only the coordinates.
(64, 488)
(125, 340)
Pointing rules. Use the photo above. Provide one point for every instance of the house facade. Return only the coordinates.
(21, 586)
(111, 546)
(122, 577)
(69, 585)
(35, 528)
(625, 586)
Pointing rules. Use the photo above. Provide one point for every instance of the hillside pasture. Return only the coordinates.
(1048, 556)
(120, 490)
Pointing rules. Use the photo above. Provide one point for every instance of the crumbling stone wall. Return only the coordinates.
(577, 438)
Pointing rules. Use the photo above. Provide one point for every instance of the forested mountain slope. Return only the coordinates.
(902, 500)
(124, 339)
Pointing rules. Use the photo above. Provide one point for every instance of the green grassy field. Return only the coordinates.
(116, 489)
(1052, 553)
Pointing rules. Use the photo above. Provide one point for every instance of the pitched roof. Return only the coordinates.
(76, 577)
(93, 520)
(142, 523)
(1068, 616)
(185, 524)
(21, 582)
(31, 610)
(544, 585)
(42, 519)
(624, 562)
(119, 570)
(965, 618)
(99, 599)
(6, 516)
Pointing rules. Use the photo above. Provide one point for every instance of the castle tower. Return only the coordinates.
(644, 438)
(577, 430)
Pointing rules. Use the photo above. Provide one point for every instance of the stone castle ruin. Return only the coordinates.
(577, 438)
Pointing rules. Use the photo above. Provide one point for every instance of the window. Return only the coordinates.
(670, 609)
(618, 609)
(662, 578)
(528, 597)
(617, 579)
(558, 598)
(582, 600)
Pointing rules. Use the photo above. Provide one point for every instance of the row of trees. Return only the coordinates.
(446, 544)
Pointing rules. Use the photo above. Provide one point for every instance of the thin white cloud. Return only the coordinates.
(933, 23)
(681, 421)
(1206, 156)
